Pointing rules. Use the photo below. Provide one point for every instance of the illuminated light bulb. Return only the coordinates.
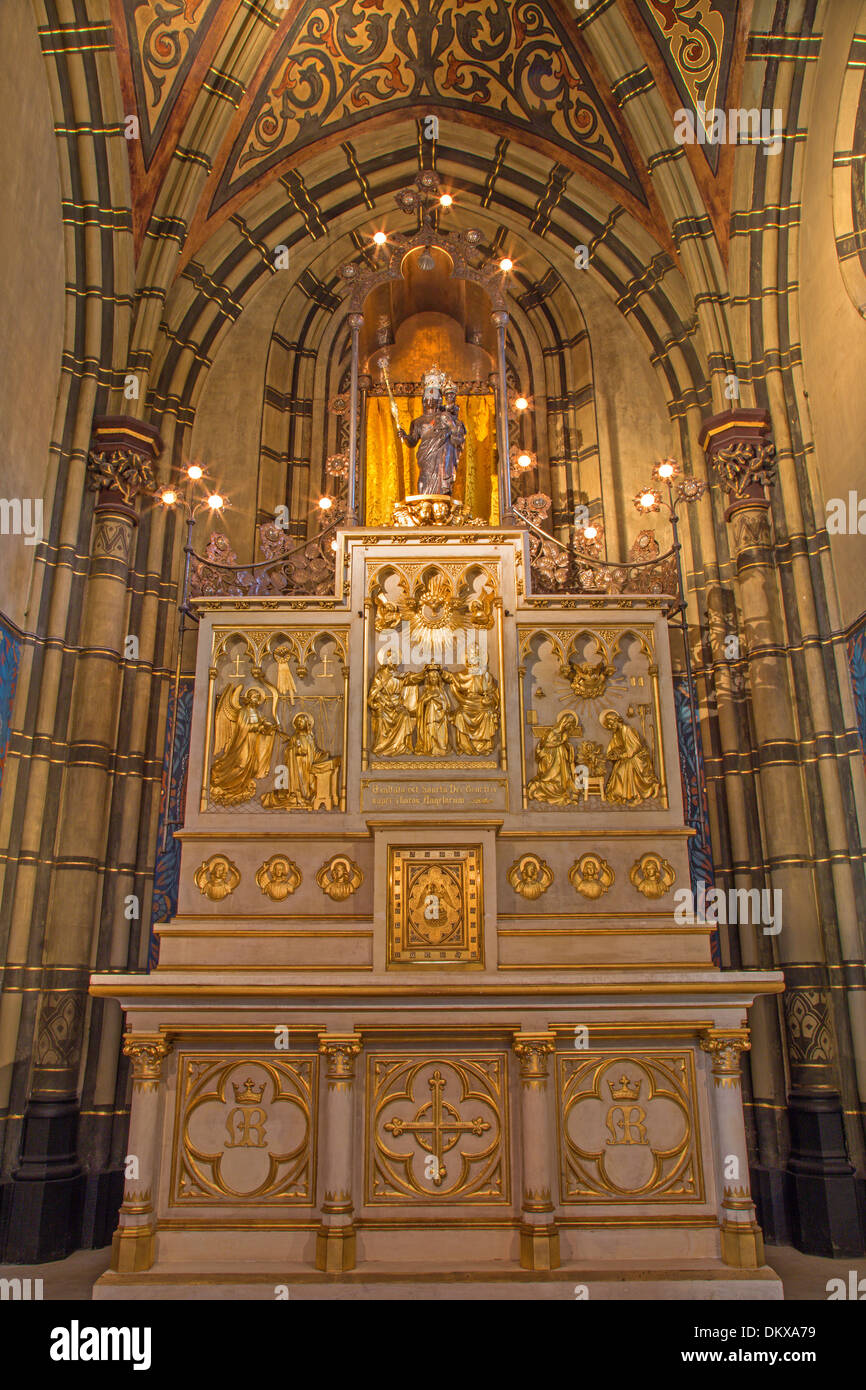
(524, 460)
(521, 403)
(648, 500)
(169, 497)
(195, 471)
(326, 503)
(215, 501)
(506, 264)
(379, 238)
(666, 470)
(446, 200)
(334, 543)
(590, 532)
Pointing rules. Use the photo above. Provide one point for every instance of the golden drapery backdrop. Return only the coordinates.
(391, 471)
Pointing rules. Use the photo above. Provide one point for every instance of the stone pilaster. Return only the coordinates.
(335, 1239)
(47, 1186)
(741, 455)
(539, 1237)
(132, 1246)
(742, 1241)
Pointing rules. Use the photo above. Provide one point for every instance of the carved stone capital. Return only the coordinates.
(147, 1052)
(741, 454)
(339, 1051)
(121, 460)
(532, 1051)
(724, 1046)
(356, 322)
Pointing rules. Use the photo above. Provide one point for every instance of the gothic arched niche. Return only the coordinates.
(422, 316)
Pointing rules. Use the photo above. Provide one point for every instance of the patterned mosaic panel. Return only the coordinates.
(857, 663)
(697, 811)
(10, 654)
(166, 874)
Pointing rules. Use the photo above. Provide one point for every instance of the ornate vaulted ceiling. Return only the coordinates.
(249, 90)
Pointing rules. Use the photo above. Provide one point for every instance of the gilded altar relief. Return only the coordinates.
(434, 657)
(277, 721)
(590, 719)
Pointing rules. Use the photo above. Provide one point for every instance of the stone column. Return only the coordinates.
(356, 323)
(335, 1239)
(48, 1185)
(539, 1237)
(500, 319)
(133, 1242)
(365, 383)
(742, 1241)
(824, 1198)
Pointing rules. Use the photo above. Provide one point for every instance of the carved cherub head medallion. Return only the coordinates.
(530, 876)
(278, 877)
(340, 877)
(652, 875)
(591, 876)
(217, 877)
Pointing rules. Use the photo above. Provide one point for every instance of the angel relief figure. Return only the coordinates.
(243, 745)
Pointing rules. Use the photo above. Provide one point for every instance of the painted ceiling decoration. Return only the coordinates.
(163, 37)
(510, 62)
(696, 41)
(248, 92)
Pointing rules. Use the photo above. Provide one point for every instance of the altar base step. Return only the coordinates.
(709, 1282)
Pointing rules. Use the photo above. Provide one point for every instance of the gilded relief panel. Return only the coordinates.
(590, 720)
(437, 1130)
(433, 677)
(276, 720)
(435, 906)
(245, 1130)
(629, 1129)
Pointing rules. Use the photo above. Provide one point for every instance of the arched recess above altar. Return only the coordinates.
(425, 318)
(433, 300)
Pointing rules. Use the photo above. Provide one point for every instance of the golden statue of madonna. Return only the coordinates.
(555, 779)
(243, 744)
(426, 695)
(633, 778)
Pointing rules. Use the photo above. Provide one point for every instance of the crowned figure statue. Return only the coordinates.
(438, 433)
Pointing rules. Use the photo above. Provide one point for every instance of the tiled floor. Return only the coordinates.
(805, 1277)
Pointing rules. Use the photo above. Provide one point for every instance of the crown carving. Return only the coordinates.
(625, 1089)
(250, 1094)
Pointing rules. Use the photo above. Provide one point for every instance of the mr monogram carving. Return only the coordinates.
(629, 1128)
(245, 1130)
